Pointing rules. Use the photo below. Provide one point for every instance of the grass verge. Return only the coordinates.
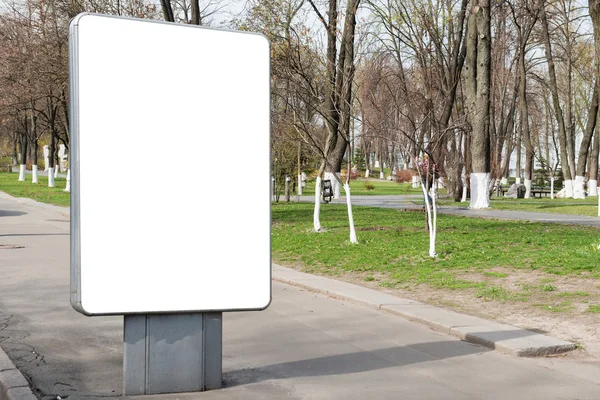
(36, 191)
(370, 187)
(522, 267)
(587, 206)
(396, 242)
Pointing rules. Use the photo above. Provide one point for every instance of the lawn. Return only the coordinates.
(587, 206)
(370, 187)
(395, 242)
(532, 275)
(36, 191)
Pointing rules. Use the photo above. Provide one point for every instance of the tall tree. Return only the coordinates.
(477, 71)
(594, 9)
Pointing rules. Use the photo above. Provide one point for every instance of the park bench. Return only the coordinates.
(535, 190)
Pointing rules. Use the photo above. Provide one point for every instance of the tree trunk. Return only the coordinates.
(524, 115)
(353, 238)
(34, 145)
(562, 130)
(478, 81)
(52, 147)
(195, 13)
(594, 11)
(167, 10)
(23, 142)
(15, 152)
(593, 167)
(578, 187)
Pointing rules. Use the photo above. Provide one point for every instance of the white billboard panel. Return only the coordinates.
(170, 166)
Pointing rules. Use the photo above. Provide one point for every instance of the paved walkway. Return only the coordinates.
(304, 346)
(408, 202)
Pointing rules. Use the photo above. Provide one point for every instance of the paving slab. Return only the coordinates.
(512, 340)
(502, 337)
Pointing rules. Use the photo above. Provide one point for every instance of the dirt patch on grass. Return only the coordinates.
(565, 307)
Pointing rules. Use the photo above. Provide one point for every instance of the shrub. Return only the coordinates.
(405, 175)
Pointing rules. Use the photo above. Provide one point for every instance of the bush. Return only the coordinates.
(405, 175)
(368, 186)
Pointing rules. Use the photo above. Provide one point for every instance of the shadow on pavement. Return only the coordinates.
(7, 213)
(351, 363)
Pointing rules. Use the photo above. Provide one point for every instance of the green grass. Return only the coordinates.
(495, 274)
(588, 206)
(562, 307)
(360, 188)
(38, 191)
(395, 243)
(548, 288)
(594, 308)
(578, 293)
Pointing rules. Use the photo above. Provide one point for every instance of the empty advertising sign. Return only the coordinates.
(170, 164)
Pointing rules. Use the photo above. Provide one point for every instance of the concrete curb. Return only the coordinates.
(502, 337)
(13, 385)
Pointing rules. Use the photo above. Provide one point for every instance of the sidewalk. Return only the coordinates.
(406, 202)
(333, 341)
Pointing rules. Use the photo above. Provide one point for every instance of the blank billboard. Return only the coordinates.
(170, 165)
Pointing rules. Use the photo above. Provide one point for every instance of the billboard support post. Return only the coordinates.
(172, 353)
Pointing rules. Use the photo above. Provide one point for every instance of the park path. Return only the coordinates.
(304, 346)
(412, 202)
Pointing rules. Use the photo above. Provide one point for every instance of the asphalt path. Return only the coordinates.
(304, 346)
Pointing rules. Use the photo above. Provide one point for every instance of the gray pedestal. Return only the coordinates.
(170, 353)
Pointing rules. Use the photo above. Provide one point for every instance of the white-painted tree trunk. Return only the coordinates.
(480, 195)
(50, 177)
(568, 189)
(353, 238)
(22, 172)
(503, 181)
(299, 185)
(34, 174)
(381, 175)
(527, 188)
(56, 168)
(518, 181)
(579, 187)
(433, 232)
(367, 173)
(335, 179)
(552, 187)
(464, 194)
(415, 182)
(593, 187)
(431, 223)
(46, 158)
(68, 187)
(433, 190)
(316, 217)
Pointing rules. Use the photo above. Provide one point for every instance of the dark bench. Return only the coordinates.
(535, 190)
